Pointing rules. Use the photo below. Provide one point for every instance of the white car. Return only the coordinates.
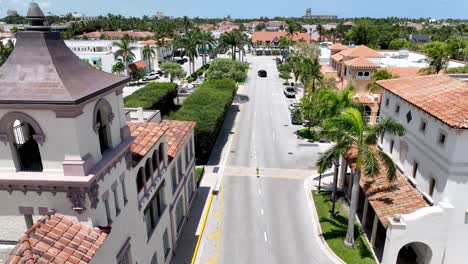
(151, 76)
(290, 92)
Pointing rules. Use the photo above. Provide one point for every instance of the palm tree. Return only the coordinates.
(231, 40)
(293, 28)
(320, 30)
(189, 43)
(378, 76)
(350, 132)
(187, 24)
(296, 64)
(310, 72)
(207, 41)
(148, 54)
(118, 68)
(286, 43)
(124, 51)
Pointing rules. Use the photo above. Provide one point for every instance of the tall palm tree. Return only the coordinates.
(124, 51)
(310, 72)
(189, 43)
(350, 132)
(231, 40)
(296, 64)
(148, 54)
(320, 30)
(207, 41)
(378, 76)
(293, 28)
(187, 24)
(286, 43)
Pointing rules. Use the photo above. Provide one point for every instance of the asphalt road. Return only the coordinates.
(267, 219)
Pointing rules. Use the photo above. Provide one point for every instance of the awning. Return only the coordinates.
(137, 65)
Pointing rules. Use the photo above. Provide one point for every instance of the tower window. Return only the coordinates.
(27, 149)
(103, 117)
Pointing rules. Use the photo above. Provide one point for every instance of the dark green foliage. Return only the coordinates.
(227, 69)
(207, 106)
(154, 96)
(198, 73)
(463, 69)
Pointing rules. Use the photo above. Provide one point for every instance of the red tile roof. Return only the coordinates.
(337, 57)
(177, 133)
(271, 35)
(389, 198)
(441, 96)
(404, 72)
(57, 240)
(361, 62)
(326, 69)
(146, 136)
(361, 51)
(137, 65)
(338, 46)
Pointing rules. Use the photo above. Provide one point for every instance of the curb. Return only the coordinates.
(308, 184)
(205, 217)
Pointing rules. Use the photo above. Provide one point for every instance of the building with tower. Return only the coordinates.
(77, 183)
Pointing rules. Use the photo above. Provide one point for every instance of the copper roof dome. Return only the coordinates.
(43, 70)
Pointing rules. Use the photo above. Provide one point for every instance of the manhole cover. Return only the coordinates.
(290, 153)
(286, 125)
(215, 169)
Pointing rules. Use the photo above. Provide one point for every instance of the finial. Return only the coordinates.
(37, 19)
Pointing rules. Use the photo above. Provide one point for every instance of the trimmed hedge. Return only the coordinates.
(227, 69)
(158, 96)
(198, 73)
(208, 107)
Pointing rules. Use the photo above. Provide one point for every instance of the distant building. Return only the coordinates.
(11, 12)
(418, 39)
(265, 42)
(308, 15)
(276, 25)
(116, 35)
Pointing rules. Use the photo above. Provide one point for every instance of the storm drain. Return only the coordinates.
(215, 169)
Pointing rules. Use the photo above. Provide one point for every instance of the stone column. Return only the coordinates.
(374, 230)
(364, 212)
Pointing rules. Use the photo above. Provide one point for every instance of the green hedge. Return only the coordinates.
(154, 96)
(227, 69)
(208, 107)
(198, 73)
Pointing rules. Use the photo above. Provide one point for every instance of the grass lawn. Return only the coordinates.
(199, 174)
(309, 135)
(334, 231)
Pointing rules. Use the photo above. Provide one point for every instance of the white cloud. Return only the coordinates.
(45, 4)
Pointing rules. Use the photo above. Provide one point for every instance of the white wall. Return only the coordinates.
(447, 164)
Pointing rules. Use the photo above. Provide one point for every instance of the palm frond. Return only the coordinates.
(391, 126)
(389, 165)
(326, 159)
(369, 162)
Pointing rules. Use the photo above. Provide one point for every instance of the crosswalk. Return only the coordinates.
(268, 172)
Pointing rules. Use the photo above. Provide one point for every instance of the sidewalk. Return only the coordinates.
(211, 180)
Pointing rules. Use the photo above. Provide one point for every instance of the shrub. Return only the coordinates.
(207, 106)
(275, 53)
(227, 69)
(154, 96)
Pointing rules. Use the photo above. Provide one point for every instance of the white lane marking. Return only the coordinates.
(265, 236)
(261, 211)
(274, 136)
(259, 191)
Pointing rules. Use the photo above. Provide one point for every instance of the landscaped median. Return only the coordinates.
(207, 106)
(158, 96)
(334, 231)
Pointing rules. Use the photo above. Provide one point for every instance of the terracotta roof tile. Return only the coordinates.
(137, 65)
(337, 57)
(177, 134)
(441, 96)
(361, 62)
(389, 198)
(338, 46)
(404, 72)
(361, 51)
(46, 242)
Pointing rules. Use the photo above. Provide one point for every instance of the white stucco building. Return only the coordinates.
(101, 53)
(422, 216)
(113, 192)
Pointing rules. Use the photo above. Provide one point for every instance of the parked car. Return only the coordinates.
(290, 92)
(213, 56)
(151, 76)
(294, 106)
(262, 73)
(296, 118)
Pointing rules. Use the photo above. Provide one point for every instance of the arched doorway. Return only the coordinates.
(414, 253)
(367, 113)
(26, 147)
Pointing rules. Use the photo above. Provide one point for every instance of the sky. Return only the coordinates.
(250, 8)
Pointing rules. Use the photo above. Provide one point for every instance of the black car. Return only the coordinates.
(262, 73)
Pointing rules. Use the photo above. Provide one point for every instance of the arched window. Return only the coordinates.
(360, 74)
(366, 74)
(103, 117)
(148, 169)
(23, 133)
(140, 179)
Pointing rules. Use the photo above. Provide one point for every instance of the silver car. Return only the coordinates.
(290, 92)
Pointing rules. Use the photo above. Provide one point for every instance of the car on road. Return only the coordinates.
(213, 56)
(294, 106)
(151, 76)
(290, 92)
(262, 73)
